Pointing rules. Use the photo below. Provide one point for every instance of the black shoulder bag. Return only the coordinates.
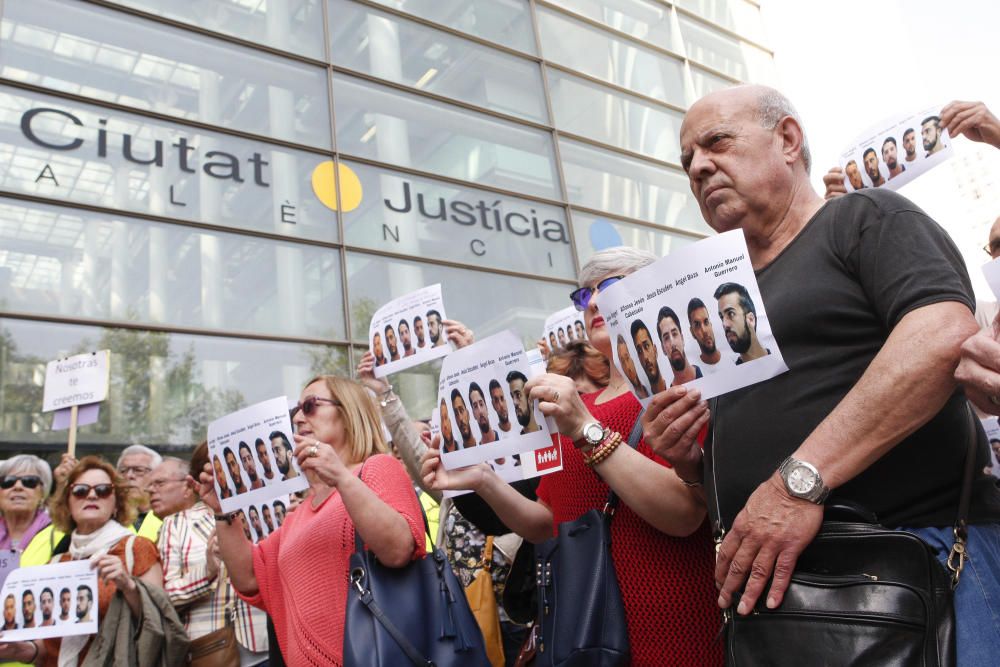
(861, 594)
(580, 609)
(412, 615)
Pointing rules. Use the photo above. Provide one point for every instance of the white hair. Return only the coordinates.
(620, 259)
(154, 458)
(772, 106)
(29, 463)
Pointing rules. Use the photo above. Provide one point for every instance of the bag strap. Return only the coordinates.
(958, 555)
(487, 561)
(633, 442)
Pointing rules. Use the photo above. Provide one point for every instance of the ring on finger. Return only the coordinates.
(314, 451)
(555, 398)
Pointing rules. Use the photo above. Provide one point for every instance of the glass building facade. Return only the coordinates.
(222, 192)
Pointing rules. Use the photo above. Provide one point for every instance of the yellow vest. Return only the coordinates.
(433, 512)
(149, 528)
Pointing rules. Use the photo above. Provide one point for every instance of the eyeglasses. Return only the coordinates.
(135, 470)
(27, 481)
(308, 406)
(581, 297)
(83, 490)
(155, 485)
(992, 248)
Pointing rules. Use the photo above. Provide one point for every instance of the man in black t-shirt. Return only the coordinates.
(870, 302)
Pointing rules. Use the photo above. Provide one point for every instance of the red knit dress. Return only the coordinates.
(301, 568)
(666, 582)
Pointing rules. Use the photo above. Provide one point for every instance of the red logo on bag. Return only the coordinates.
(548, 457)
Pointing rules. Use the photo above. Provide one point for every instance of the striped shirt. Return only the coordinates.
(202, 601)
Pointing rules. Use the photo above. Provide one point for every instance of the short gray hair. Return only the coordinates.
(155, 458)
(30, 463)
(181, 465)
(620, 259)
(772, 106)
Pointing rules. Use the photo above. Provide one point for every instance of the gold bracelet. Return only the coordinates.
(604, 449)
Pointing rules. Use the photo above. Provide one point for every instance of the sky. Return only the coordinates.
(849, 64)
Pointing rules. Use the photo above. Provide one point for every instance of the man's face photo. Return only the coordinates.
(28, 608)
(580, 333)
(65, 600)
(672, 341)
(446, 434)
(462, 417)
(83, 600)
(265, 460)
(390, 341)
(931, 134)
(255, 522)
(434, 327)
(246, 458)
(499, 402)
(479, 411)
(404, 335)
(552, 340)
(9, 609)
(871, 166)
(48, 604)
(910, 145)
(234, 467)
(219, 473)
(377, 347)
(280, 454)
(265, 512)
(562, 337)
(520, 398)
(735, 322)
(701, 328)
(854, 175)
(246, 525)
(889, 155)
(995, 445)
(628, 367)
(279, 512)
(418, 330)
(647, 356)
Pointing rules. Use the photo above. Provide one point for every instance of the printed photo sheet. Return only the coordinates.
(408, 331)
(251, 452)
(694, 317)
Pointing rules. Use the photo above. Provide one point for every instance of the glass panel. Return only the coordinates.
(594, 233)
(403, 129)
(70, 262)
(107, 55)
(740, 16)
(585, 108)
(726, 54)
(82, 153)
(706, 82)
(642, 19)
(388, 47)
(506, 22)
(290, 25)
(629, 187)
(586, 49)
(165, 388)
(415, 216)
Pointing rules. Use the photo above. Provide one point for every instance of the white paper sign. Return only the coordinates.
(892, 153)
(56, 600)
(260, 519)
(992, 429)
(484, 413)
(9, 561)
(695, 318)
(407, 331)
(251, 451)
(564, 326)
(991, 270)
(76, 380)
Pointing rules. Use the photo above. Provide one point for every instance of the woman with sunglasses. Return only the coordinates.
(660, 543)
(299, 573)
(25, 481)
(92, 506)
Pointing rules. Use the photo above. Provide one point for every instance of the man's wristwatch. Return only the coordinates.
(593, 434)
(802, 480)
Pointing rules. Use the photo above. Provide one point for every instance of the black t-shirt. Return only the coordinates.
(832, 297)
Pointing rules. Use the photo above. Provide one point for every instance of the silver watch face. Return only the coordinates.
(593, 432)
(801, 480)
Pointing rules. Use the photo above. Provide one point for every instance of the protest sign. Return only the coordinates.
(892, 153)
(564, 326)
(260, 519)
(407, 331)
(513, 436)
(56, 600)
(74, 381)
(992, 428)
(991, 271)
(251, 451)
(671, 313)
(10, 560)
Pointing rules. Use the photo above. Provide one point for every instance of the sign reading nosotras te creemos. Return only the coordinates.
(76, 380)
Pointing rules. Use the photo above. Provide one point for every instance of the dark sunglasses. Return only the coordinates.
(581, 297)
(27, 481)
(308, 406)
(83, 490)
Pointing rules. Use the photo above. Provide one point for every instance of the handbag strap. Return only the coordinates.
(405, 645)
(633, 442)
(958, 555)
(487, 561)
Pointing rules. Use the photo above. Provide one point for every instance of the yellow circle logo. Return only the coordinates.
(324, 184)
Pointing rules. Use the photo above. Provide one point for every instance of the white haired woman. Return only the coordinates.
(660, 542)
(25, 482)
